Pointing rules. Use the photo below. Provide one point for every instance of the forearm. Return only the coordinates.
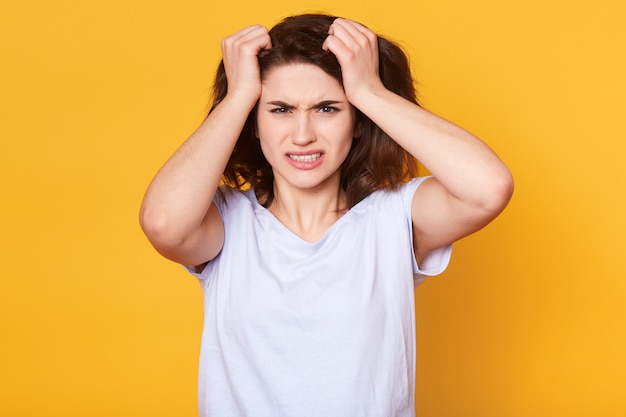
(181, 193)
(462, 163)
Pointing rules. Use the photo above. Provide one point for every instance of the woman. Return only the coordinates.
(308, 250)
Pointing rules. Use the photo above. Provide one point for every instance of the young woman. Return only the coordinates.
(297, 205)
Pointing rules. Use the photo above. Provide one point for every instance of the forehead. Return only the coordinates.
(300, 82)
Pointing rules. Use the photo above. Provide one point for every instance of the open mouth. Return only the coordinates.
(305, 158)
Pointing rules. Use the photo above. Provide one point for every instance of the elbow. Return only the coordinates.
(181, 241)
(499, 190)
(157, 226)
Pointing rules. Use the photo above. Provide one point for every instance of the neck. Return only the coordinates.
(308, 213)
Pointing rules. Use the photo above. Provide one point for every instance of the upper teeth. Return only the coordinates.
(306, 158)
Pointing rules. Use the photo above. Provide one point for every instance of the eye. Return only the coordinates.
(279, 110)
(328, 109)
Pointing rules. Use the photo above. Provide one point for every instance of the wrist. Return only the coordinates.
(241, 100)
(365, 97)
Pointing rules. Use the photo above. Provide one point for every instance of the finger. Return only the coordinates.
(259, 32)
(234, 37)
(256, 35)
(353, 31)
(355, 26)
(247, 30)
(333, 44)
(343, 26)
(254, 47)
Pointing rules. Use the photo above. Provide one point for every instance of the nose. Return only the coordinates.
(303, 130)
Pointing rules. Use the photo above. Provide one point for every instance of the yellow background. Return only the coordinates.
(530, 318)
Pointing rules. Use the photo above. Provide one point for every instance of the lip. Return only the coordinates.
(306, 160)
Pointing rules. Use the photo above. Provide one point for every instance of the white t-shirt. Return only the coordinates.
(300, 329)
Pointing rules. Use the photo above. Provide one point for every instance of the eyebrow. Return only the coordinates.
(323, 103)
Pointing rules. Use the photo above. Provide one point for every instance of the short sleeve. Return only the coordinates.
(203, 274)
(437, 261)
(221, 199)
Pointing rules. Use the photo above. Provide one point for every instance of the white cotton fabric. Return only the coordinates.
(300, 329)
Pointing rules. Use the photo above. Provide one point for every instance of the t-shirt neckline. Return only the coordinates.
(293, 236)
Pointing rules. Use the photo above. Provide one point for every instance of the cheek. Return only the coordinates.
(268, 136)
(263, 131)
(348, 130)
(268, 127)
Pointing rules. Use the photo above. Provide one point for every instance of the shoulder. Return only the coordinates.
(228, 198)
(388, 208)
(402, 196)
(239, 209)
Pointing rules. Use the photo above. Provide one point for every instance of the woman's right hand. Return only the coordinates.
(240, 53)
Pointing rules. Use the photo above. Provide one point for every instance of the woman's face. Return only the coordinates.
(305, 125)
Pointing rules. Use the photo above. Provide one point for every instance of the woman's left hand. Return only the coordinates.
(356, 49)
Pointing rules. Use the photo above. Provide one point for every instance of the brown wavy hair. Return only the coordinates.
(374, 162)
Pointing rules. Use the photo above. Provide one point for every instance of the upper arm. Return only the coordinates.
(439, 218)
(196, 247)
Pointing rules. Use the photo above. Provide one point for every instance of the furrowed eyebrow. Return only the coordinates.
(282, 104)
(324, 103)
(327, 103)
